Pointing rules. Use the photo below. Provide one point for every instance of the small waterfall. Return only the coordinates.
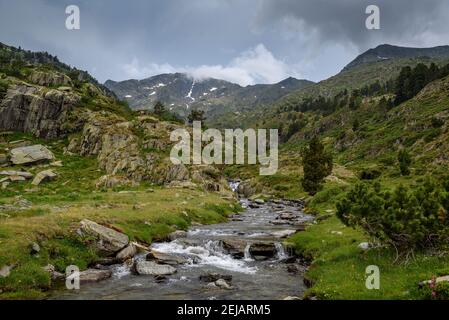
(247, 256)
(234, 185)
(280, 251)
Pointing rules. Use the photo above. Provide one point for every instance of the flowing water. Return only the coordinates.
(275, 277)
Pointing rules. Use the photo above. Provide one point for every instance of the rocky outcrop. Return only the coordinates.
(106, 240)
(43, 113)
(50, 79)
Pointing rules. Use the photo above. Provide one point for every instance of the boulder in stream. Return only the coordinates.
(153, 269)
(94, 275)
(262, 250)
(165, 258)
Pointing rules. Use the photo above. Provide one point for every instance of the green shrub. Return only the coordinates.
(405, 160)
(370, 174)
(404, 218)
(317, 165)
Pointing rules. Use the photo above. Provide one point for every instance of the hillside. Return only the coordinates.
(360, 73)
(180, 93)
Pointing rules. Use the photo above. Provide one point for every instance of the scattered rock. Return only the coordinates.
(177, 235)
(154, 269)
(23, 174)
(42, 176)
(292, 298)
(16, 178)
(364, 245)
(221, 283)
(30, 154)
(127, 253)
(56, 164)
(212, 277)
(55, 275)
(259, 201)
(165, 258)
(338, 233)
(34, 248)
(5, 271)
(160, 279)
(94, 275)
(283, 233)
(437, 280)
(107, 240)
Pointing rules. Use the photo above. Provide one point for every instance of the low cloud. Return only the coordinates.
(257, 65)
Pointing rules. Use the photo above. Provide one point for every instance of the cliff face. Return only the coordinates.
(31, 109)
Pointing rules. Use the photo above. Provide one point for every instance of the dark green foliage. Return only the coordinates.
(317, 165)
(159, 108)
(196, 115)
(405, 160)
(407, 219)
(412, 80)
(3, 89)
(370, 174)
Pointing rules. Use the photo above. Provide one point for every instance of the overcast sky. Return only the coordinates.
(244, 41)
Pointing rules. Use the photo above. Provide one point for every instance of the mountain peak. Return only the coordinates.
(388, 51)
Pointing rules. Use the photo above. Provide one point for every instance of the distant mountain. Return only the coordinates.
(387, 52)
(180, 92)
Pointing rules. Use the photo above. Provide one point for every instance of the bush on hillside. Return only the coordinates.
(317, 165)
(407, 219)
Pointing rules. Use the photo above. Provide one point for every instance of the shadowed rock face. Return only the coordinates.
(29, 109)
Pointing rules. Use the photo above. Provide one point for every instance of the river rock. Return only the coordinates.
(30, 154)
(165, 258)
(262, 250)
(212, 277)
(287, 216)
(127, 253)
(94, 275)
(107, 240)
(42, 176)
(283, 233)
(289, 298)
(54, 275)
(154, 269)
(259, 201)
(235, 247)
(221, 283)
(177, 235)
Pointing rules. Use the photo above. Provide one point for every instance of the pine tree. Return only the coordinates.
(317, 165)
(159, 108)
(405, 160)
(196, 115)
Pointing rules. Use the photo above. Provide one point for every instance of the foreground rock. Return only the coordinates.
(177, 235)
(5, 271)
(153, 269)
(127, 253)
(43, 176)
(165, 258)
(94, 275)
(236, 248)
(106, 240)
(262, 250)
(31, 154)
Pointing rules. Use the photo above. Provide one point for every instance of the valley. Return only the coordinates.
(86, 180)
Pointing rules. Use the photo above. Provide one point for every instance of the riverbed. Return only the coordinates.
(229, 250)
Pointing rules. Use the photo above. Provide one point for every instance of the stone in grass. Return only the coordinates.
(106, 239)
(42, 176)
(30, 154)
(23, 174)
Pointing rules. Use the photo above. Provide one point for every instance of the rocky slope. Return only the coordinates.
(130, 147)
